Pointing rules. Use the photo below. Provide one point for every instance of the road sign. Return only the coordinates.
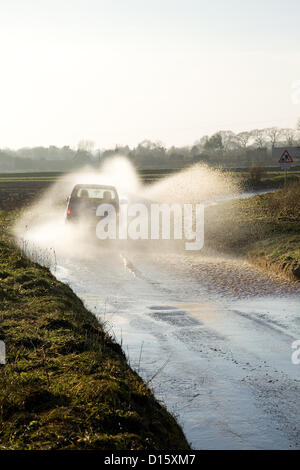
(293, 151)
(285, 163)
(285, 158)
(285, 166)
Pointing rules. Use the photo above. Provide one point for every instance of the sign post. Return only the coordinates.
(285, 163)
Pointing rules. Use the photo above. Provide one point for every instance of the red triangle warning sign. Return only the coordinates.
(285, 158)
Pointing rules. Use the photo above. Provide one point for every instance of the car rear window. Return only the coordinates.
(96, 193)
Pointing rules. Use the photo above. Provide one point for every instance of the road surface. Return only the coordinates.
(212, 335)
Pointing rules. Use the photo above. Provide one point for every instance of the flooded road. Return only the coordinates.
(211, 335)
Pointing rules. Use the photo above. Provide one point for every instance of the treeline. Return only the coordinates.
(224, 148)
(44, 159)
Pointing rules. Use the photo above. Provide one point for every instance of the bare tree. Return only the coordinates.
(229, 140)
(273, 133)
(202, 141)
(259, 137)
(243, 138)
(290, 136)
(86, 144)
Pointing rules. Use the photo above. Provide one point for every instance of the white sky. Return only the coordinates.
(120, 71)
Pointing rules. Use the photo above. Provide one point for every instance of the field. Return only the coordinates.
(21, 189)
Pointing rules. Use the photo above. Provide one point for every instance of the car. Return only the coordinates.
(85, 200)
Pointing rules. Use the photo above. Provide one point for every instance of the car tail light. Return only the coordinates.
(68, 212)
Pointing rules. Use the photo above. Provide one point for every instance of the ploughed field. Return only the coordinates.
(21, 189)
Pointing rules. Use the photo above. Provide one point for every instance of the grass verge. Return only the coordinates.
(264, 228)
(66, 383)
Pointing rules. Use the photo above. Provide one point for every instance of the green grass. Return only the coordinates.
(265, 228)
(66, 383)
(270, 181)
(280, 255)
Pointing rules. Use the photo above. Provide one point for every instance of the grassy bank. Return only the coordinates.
(265, 228)
(66, 383)
(270, 181)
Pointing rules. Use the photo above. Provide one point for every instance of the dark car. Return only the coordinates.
(84, 201)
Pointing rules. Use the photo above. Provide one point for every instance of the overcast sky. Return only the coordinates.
(120, 71)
